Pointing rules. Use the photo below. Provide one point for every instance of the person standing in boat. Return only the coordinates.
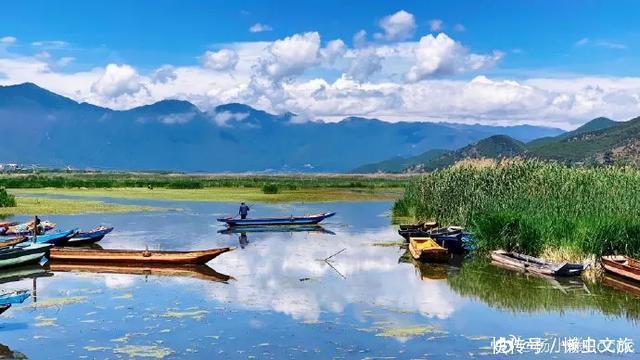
(243, 211)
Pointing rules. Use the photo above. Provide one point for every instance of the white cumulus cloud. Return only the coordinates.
(398, 26)
(441, 55)
(118, 80)
(291, 56)
(222, 60)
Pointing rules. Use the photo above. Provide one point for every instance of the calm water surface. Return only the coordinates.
(274, 297)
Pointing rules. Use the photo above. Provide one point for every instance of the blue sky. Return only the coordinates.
(522, 41)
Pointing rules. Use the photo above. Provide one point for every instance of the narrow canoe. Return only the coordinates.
(13, 242)
(57, 238)
(22, 255)
(14, 297)
(535, 265)
(431, 232)
(131, 257)
(426, 249)
(623, 266)
(291, 220)
(90, 237)
(202, 272)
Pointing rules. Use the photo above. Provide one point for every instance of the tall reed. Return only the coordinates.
(532, 206)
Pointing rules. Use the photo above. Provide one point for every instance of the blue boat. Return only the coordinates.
(57, 238)
(291, 220)
(91, 236)
(14, 297)
(22, 254)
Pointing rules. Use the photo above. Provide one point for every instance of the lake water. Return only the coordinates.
(275, 297)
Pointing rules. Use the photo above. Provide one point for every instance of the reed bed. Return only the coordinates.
(533, 206)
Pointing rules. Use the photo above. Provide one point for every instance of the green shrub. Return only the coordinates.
(6, 199)
(270, 189)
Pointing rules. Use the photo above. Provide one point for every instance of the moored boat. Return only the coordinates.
(23, 254)
(131, 257)
(291, 220)
(89, 237)
(419, 226)
(13, 242)
(623, 266)
(452, 238)
(426, 249)
(14, 297)
(13, 228)
(57, 238)
(527, 263)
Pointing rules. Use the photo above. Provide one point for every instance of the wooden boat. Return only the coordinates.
(202, 272)
(623, 266)
(89, 237)
(4, 308)
(131, 257)
(291, 220)
(14, 297)
(426, 249)
(57, 238)
(535, 265)
(23, 254)
(13, 242)
(432, 232)
(452, 238)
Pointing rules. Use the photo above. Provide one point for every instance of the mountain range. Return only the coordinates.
(599, 141)
(41, 127)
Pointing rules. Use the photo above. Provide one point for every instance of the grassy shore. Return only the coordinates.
(184, 181)
(534, 207)
(49, 206)
(234, 194)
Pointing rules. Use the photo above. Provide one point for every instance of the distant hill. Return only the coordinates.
(593, 125)
(599, 141)
(41, 127)
(398, 164)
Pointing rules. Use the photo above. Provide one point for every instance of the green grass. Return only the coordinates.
(533, 207)
(49, 206)
(233, 194)
(182, 181)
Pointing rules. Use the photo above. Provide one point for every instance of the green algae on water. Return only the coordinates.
(148, 351)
